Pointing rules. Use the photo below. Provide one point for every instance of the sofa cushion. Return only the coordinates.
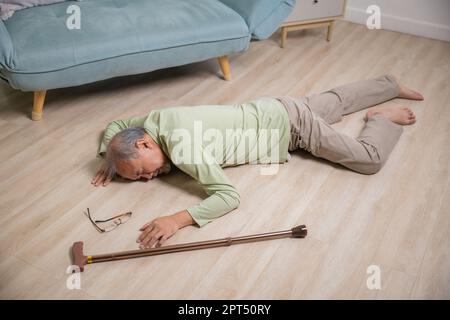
(123, 65)
(42, 42)
(263, 17)
(7, 7)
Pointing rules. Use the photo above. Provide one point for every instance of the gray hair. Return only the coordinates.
(122, 147)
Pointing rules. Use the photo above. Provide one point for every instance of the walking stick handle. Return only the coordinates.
(78, 257)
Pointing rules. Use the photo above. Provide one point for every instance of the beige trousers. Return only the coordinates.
(311, 117)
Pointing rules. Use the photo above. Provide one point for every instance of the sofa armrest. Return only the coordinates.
(263, 17)
(6, 48)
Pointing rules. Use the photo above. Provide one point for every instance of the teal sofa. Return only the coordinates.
(118, 38)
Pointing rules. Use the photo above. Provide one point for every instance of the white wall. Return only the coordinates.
(427, 18)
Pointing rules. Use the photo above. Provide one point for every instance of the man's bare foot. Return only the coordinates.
(400, 115)
(410, 94)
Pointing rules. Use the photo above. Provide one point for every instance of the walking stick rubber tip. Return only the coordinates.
(78, 258)
(299, 232)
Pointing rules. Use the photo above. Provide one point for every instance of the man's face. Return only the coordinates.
(150, 163)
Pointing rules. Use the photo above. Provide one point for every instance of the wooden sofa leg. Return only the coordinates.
(330, 30)
(38, 105)
(225, 66)
(284, 31)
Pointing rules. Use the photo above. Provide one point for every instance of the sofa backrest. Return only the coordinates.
(263, 17)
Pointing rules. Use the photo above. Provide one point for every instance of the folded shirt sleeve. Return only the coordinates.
(115, 127)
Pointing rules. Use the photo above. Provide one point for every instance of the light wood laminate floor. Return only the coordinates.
(398, 219)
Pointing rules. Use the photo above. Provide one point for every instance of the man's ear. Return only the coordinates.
(141, 143)
(144, 142)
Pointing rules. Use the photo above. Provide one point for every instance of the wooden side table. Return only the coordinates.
(313, 14)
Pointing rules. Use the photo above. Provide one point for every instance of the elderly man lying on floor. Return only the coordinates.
(201, 140)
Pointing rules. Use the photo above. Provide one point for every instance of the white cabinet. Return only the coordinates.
(315, 9)
(312, 14)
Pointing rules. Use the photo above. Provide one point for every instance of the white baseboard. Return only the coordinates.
(401, 24)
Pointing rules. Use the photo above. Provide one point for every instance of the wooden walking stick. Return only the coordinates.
(81, 260)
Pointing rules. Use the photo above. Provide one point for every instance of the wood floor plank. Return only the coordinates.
(19, 280)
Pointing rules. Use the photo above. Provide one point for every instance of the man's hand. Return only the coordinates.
(157, 231)
(102, 178)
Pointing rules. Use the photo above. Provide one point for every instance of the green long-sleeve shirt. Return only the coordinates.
(201, 140)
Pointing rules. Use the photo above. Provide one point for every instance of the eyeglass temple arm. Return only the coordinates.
(94, 223)
(115, 217)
